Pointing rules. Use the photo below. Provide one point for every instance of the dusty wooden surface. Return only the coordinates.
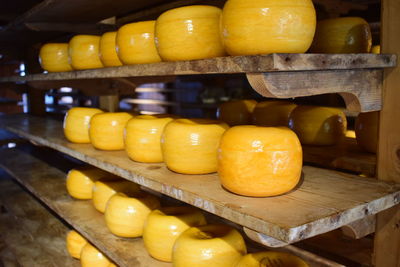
(387, 238)
(34, 236)
(345, 156)
(48, 184)
(325, 200)
(226, 65)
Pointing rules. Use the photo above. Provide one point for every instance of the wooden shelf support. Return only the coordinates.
(361, 89)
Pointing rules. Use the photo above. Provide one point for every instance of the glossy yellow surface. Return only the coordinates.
(104, 189)
(84, 52)
(106, 130)
(318, 125)
(267, 26)
(135, 43)
(108, 50)
(53, 57)
(75, 243)
(342, 35)
(143, 137)
(376, 49)
(92, 257)
(125, 215)
(237, 112)
(265, 259)
(190, 146)
(367, 131)
(259, 161)
(209, 245)
(76, 124)
(272, 113)
(189, 33)
(163, 227)
(80, 181)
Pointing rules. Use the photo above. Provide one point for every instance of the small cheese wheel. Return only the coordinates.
(108, 51)
(84, 52)
(259, 161)
(265, 258)
(272, 113)
(80, 181)
(237, 112)
(53, 57)
(75, 243)
(92, 257)
(367, 130)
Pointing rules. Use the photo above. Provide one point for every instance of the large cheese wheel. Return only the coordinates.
(84, 52)
(76, 124)
(367, 130)
(53, 57)
(237, 112)
(259, 161)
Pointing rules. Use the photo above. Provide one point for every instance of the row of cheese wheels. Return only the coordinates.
(177, 234)
(314, 125)
(250, 160)
(197, 32)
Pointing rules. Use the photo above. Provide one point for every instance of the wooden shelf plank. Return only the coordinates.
(32, 234)
(325, 200)
(34, 173)
(225, 65)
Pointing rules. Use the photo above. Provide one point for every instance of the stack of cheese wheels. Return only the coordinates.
(53, 57)
(135, 43)
(189, 33)
(104, 189)
(108, 52)
(237, 112)
(208, 245)
(243, 149)
(316, 125)
(75, 243)
(268, 258)
(84, 52)
(143, 137)
(267, 26)
(92, 257)
(76, 124)
(190, 146)
(163, 227)
(272, 113)
(342, 35)
(367, 131)
(106, 130)
(80, 181)
(125, 214)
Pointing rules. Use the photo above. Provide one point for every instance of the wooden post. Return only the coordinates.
(387, 237)
(109, 103)
(36, 99)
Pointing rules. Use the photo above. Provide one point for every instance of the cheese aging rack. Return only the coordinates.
(332, 204)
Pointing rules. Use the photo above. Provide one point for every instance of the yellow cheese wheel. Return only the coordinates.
(318, 125)
(189, 33)
(143, 137)
(342, 35)
(106, 130)
(208, 245)
(76, 124)
(53, 57)
(163, 227)
(267, 26)
(92, 257)
(367, 131)
(272, 113)
(190, 146)
(268, 257)
(125, 215)
(80, 181)
(108, 50)
(104, 189)
(376, 49)
(259, 161)
(84, 52)
(236, 112)
(75, 243)
(135, 43)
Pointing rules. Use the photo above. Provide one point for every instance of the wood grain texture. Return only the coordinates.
(226, 65)
(34, 236)
(360, 228)
(325, 200)
(34, 174)
(387, 238)
(360, 89)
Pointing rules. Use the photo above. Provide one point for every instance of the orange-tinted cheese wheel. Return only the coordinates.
(80, 181)
(75, 243)
(259, 161)
(237, 112)
(92, 257)
(367, 130)
(272, 113)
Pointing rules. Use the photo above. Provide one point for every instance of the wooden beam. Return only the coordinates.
(387, 237)
(80, 28)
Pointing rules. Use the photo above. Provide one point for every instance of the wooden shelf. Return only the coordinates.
(32, 235)
(325, 200)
